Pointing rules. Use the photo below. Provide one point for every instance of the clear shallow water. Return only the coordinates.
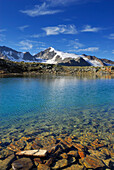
(55, 105)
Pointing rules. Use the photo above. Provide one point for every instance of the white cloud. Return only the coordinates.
(23, 27)
(60, 29)
(112, 51)
(25, 45)
(88, 28)
(111, 36)
(38, 10)
(89, 49)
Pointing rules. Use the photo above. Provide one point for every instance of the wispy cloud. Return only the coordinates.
(35, 36)
(48, 7)
(2, 37)
(29, 44)
(60, 2)
(67, 2)
(60, 29)
(43, 9)
(22, 28)
(75, 44)
(2, 30)
(88, 28)
(89, 49)
(112, 51)
(25, 45)
(40, 48)
(111, 36)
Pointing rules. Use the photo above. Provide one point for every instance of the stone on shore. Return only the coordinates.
(23, 164)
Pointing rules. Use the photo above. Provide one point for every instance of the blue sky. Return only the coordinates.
(76, 26)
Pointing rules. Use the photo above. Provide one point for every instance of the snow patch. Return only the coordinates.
(62, 56)
(20, 55)
(92, 62)
(108, 64)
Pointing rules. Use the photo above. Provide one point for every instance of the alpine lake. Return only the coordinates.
(54, 108)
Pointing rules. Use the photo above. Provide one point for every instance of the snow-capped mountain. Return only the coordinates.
(13, 55)
(52, 56)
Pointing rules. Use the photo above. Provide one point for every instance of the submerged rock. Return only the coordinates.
(43, 167)
(81, 154)
(37, 153)
(93, 162)
(5, 164)
(23, 164)
(60, 164)
(97, 153)
(75, 167)
(37, 161)
(64, 155)
(73, 153)
(109, 163)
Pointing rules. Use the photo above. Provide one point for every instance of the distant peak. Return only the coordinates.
(51, 49)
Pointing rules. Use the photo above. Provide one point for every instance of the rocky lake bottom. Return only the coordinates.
(71, 118)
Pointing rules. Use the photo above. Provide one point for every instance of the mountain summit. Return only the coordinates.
(52, 56)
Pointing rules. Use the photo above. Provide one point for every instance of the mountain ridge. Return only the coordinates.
(52, 56)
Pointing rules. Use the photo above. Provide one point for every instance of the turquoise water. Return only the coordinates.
(55, 104)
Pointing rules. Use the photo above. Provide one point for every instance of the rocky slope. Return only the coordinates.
(52, 56)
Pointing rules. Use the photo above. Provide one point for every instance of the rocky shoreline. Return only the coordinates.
(62, 152)
(21, 68)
